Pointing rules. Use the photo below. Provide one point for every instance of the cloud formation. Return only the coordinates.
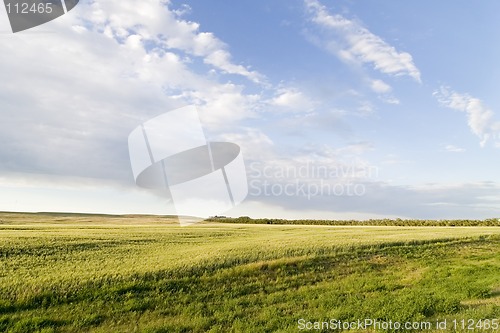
(289, 98)
(75, 94)
(373, 198)
(380, 86)
(352, 42)
(454, 149)
(480, 118)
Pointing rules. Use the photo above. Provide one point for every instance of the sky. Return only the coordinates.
(342, 109)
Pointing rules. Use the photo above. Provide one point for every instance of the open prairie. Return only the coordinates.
(98, 273)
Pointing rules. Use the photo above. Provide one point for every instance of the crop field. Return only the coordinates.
(97, 273)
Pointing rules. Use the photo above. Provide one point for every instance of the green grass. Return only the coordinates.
(74, 273)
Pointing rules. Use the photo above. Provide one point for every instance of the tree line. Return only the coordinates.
(494, 222)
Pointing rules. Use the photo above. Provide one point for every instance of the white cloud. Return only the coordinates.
(393, 159)
(222, 105)
(391, 100)
(384, 91)
(156, 22)
(380, 86)
(74, 95)
(222, 60)
(293, 99)
(254, 143)
(479, 117)
(365, 108)
(454, 149)
(355, 43)
(356, 148)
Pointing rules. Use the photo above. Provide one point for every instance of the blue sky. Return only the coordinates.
(398, 99)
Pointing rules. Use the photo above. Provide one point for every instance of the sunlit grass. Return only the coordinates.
(105, 273)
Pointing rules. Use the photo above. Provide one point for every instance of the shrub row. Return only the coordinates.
(372, 222)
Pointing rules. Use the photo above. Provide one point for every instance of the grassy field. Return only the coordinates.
(82, 273)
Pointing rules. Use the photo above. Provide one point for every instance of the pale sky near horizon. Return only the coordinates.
(342, 109)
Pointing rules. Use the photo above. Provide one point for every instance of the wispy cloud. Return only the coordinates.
(383, 90)
(352, 42)
(454, 149)
(222, 60)
(479, 117)
(380, 86)
(291, 99)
